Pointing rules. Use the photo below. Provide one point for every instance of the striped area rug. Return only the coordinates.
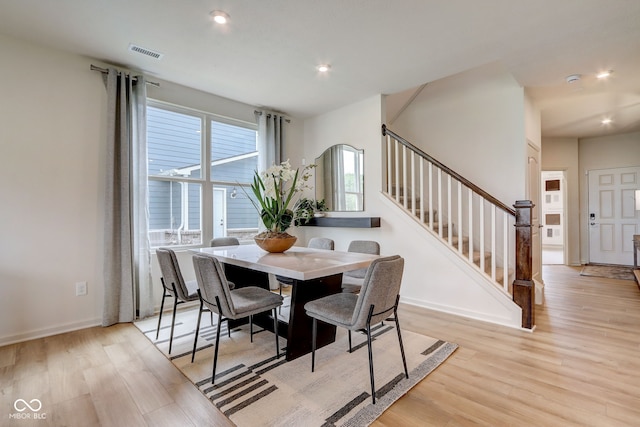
(254, 388)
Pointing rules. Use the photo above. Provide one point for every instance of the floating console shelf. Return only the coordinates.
(352, 222)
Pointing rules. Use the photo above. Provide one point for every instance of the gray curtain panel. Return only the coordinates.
(126, 263)
(270, 139)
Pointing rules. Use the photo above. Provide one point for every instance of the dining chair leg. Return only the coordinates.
(250, 327)
(275, 331)
(173, 322)
(404, 360)
(164, 294)
(350, 351)
(313, 344)
(215, 353)
(195, 339)
(373, 387)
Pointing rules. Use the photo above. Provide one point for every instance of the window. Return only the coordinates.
(188, 203)
(353, 179)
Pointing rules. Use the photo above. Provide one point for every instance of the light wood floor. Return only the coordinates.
(580, 367)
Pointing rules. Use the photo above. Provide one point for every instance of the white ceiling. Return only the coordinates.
(268, 53)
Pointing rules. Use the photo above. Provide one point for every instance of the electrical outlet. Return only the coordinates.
(81, 288)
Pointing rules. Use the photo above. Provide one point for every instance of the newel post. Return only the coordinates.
(523, 286)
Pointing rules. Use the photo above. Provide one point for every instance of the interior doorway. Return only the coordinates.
(553, 200)
(533, 193)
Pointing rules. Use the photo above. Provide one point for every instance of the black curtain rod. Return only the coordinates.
(259, 113)
(105, 71)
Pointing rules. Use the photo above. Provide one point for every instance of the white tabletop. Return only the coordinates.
(297, 263)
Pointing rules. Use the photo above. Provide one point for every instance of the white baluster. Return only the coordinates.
(481, 230)
(470, 225)
(505, 256)
(404, 177)
(493, 242)
(389, 165)
(440, 202)
(449, 211)
(421, 190)
(413, 182)
(460, 217)
(397, 171)
(430, 196)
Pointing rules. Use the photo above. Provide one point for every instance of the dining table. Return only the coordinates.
(314, 273)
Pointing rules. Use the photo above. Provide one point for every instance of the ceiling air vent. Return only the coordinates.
(145, 51)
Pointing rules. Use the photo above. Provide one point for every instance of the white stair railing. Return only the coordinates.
(473, 223)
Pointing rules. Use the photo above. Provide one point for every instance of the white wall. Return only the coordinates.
(434, 277)
(53, 133)
(562, 154)
(616, 151)
(474, 122)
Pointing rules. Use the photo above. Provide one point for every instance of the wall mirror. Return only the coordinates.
(340, 178)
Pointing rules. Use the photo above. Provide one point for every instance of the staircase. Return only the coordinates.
(489, 235)
(459, 242)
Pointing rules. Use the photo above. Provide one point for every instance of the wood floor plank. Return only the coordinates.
(7, 355)
(78, 412)
(168, 416)
(147, 392)
(197, 407)
(111, 398)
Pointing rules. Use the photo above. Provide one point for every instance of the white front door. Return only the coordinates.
(613, 219)
(219, 212)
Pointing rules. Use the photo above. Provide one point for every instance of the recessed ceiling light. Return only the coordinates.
(324, 68)
(606, 121)
(604, 74)
(220, 17)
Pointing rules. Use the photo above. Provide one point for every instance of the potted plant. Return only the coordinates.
(321, 207)
(275, 190)
(307, 208)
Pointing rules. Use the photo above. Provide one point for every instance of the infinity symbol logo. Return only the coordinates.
(37, 405)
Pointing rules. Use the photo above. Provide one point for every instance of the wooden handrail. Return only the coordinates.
(449, 171)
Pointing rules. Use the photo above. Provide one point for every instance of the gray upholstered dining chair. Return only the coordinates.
(240, 303)
(224, 241)
(352, 280)
(173, 285)
(315, 243)
(321, 243)
(378, 298)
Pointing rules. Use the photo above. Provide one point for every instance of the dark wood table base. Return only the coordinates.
(297, 330)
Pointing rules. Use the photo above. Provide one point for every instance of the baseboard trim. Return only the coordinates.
(513, 323)
(46, 332)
